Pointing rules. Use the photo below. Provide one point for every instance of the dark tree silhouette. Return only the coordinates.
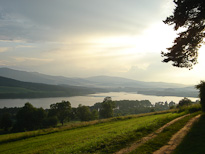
(6, 121)
(29, 117)
(107, 108)
(84, 113)
(201, 88)
(62, 110)
(50, 121)
(94, 115)
(184, 102)
(189, 14)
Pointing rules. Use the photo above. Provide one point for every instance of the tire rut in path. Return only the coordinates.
(177, 138)
(138, 143)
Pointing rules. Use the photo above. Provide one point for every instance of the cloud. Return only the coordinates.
(25, 46)
(3, 49)
(85, 38)
(3, 63)
(31, 60)
(60, 20)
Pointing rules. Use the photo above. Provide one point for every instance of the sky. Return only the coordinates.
(83, 38)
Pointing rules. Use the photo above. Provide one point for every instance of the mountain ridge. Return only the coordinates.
(63, 86)
(94, 81)
(11, 88)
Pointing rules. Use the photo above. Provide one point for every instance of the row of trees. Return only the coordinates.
(30, 118)
(126, 107)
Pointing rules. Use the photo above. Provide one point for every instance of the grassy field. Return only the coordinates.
(194, 142)
(105, 137)
(164, 137)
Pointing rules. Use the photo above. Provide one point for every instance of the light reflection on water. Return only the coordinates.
(88, 100)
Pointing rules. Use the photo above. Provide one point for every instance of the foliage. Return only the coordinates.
(160, 106)
(50, 121)
(194, 108)
(74, 114)
(128, 107)
(62, 110)
(94, 115)
(184, 102)
(201, 88)
(125, 107)
(172, 104)
(190, 109)
(107, 107)
(6, 121)
(12, 110)
(29, 118)
(84, 113)
(189, 14)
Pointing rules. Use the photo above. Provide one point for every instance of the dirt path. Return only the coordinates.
(146, 138)
(177, 138)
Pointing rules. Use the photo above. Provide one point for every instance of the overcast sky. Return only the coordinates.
(82, 38)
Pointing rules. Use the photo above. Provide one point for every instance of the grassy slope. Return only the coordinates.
(4, 138)
(194, 142)
(164, 137)
(100, 138)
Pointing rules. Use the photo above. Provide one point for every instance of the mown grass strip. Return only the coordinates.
(100, 138)
(113, 144)
(194, 141)
(162, 138)
(24, 135)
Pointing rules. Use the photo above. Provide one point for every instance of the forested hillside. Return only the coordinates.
(10, 88)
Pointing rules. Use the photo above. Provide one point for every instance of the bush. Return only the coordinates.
(184, 102)
(194, 108)
(190, 109)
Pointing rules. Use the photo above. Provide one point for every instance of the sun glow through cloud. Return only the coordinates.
(76, 39)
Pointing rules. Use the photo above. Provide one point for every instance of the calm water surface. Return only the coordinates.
(88, 100)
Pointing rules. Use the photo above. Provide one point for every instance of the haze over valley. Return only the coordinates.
(34, 85)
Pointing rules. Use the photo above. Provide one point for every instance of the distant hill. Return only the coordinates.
(10, 88)
(181, 92)
(36, 77)
(97, 81)
(94, 84)
(123, 82)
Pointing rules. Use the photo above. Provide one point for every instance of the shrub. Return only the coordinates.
(184, 102)
(190, 109)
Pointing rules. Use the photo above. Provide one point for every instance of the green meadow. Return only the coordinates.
(194, 141)
(105, 137)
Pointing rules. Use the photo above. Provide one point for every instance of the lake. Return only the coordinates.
(88, 100)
